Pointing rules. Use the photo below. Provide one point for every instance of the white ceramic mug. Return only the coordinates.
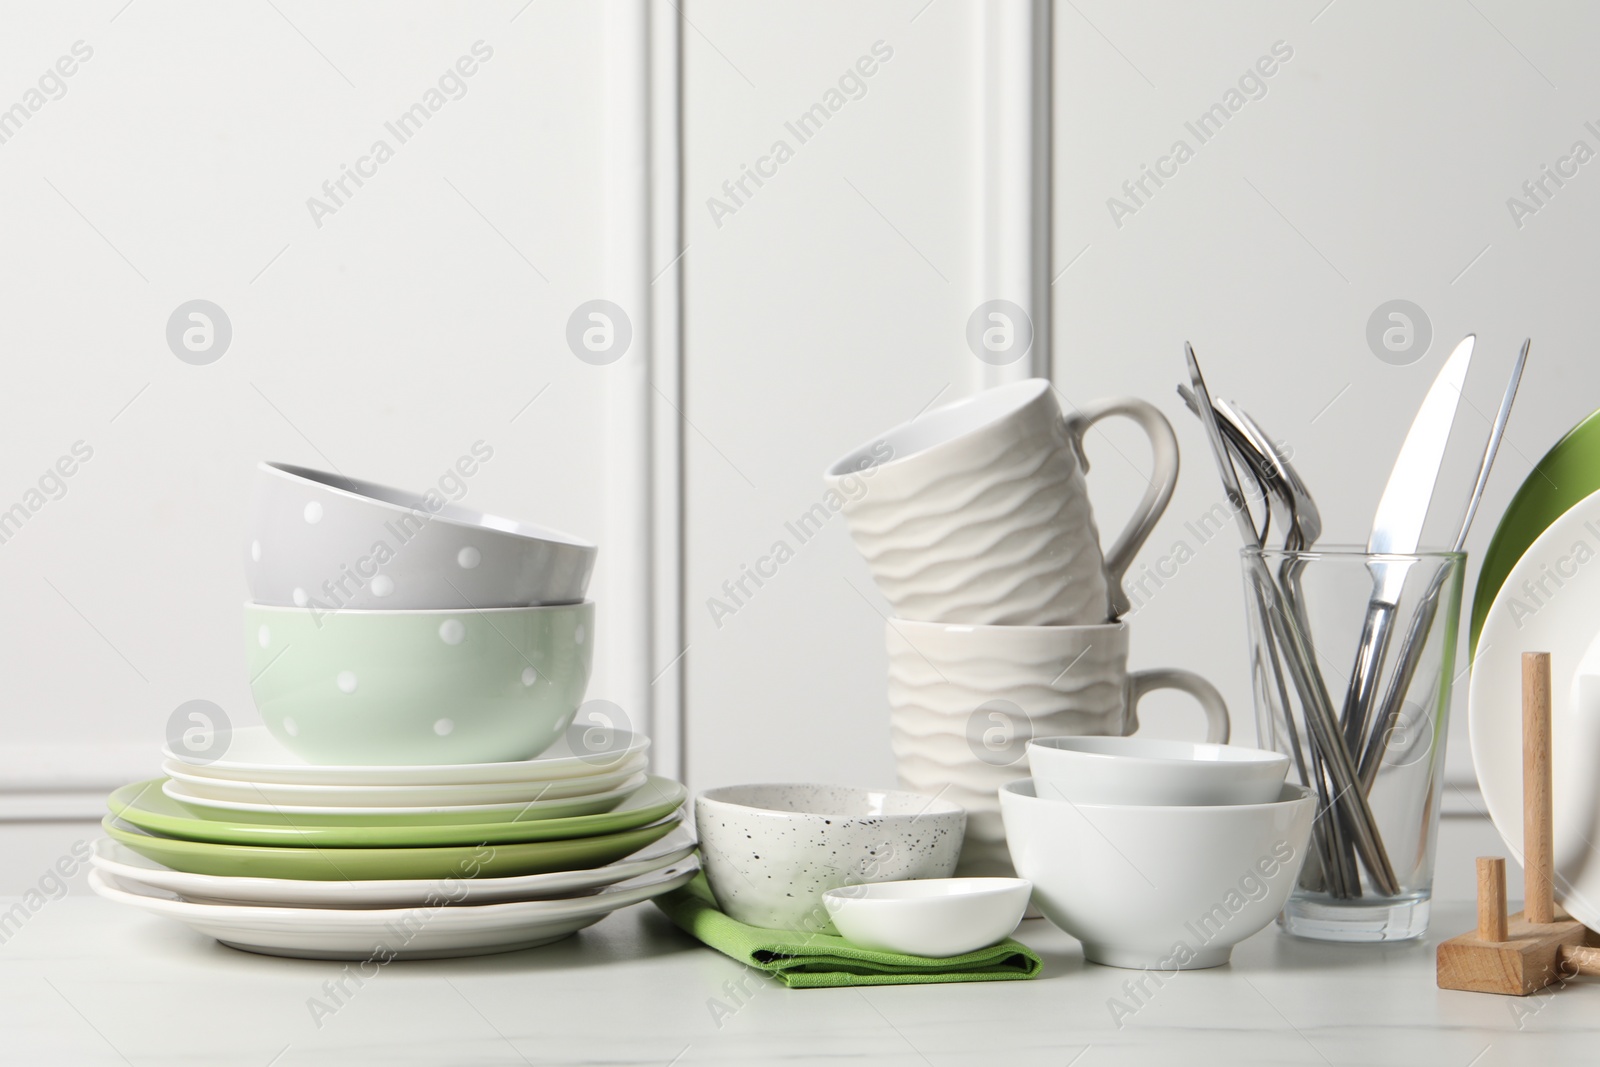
(978, 512)
(965, 701)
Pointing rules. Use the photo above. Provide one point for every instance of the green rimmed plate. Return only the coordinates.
(356, 864)
(1568, 472)
(144, 805)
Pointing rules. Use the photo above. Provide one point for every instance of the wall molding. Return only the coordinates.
(644, 502)
(669, 677)
(53, 782)
(1013, 182)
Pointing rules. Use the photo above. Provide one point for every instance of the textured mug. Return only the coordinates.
(965, 701)
(978, 512)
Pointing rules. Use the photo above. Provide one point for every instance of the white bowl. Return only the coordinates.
(771, 851)
(935, 917)
(1138, 770)
(1158, 888)
(325, 540)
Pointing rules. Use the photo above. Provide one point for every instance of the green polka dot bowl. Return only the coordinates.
(419, 687)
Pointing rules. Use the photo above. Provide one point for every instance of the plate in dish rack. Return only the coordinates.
(1565, 475)
(383, 934)
(1549, 602)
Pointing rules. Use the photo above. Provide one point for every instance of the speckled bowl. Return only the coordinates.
(418, 687)
(771, 851)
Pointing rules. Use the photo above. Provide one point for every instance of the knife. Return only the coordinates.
(1397, 528)
(1422, 621)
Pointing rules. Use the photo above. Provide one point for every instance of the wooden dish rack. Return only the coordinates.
(1541, 945)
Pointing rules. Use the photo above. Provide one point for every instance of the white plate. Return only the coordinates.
(1556, 611)
(354, 796)
(130, 868)
(254, 755)
(382, 934)
(533, 809)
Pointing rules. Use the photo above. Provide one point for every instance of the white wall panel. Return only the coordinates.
(423, 315)
(829, 305)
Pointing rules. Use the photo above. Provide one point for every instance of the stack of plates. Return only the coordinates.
(268, 853)
(1539, 591)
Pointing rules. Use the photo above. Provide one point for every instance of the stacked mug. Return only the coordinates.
(975, 521)
(389, 627)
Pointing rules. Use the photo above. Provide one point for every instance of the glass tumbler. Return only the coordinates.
(1352, 656)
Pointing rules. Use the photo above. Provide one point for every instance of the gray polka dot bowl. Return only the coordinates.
(326, 541)
(419, 687)
(771, 851)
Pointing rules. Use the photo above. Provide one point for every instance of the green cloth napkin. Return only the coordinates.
(808, 961)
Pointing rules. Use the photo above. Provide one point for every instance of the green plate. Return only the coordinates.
(144, 805)
(355, 864)
(1568, 472)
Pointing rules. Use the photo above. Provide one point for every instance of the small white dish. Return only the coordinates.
(382, 934)
(252, 754)
(208, 808)
(1140, 770)
(424, 796)
(771, 851)
(128, 867)
(931, 917)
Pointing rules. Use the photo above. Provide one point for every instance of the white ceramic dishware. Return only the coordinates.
(1142, 770)
(965, 700)
(519, 811)
(932, 917)
(1079, 673)
(978, 511)
(771, 851)
(1156, 887)
(128, 867)
(1547, 603)
(421, 796)
(419, 686)
(434, 931)
(251, 754)
(345, 543)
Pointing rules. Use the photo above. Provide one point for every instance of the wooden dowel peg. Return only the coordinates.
(1537, 851)
(1517, 955)
(1491, 898)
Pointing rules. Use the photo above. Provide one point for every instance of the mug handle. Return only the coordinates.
(1211, 702)
(1163, 477)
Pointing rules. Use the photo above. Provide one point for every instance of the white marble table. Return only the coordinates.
(87, 982)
